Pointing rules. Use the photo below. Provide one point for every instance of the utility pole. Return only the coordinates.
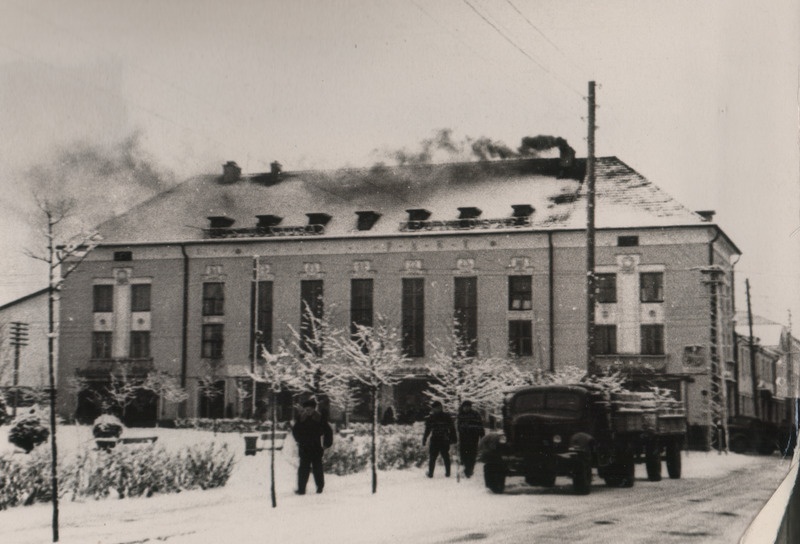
(752, 349)
(19, 337)
(590, 278)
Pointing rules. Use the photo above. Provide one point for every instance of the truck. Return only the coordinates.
(568, 430)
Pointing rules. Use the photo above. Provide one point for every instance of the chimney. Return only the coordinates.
(275, 168)
(522, 210)
(231, 173)
(706, 215)
(367, 219)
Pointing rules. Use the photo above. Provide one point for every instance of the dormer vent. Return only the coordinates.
(522, 210)
(418, 214)
(267, 221)
(469, 213)
(706, 215)
(220, 222)
(367, 219)
(318, 218)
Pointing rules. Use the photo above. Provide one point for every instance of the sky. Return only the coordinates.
(112, 102)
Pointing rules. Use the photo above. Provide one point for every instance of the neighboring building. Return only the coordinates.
(777, 365)
(499, 243)
(30, 310)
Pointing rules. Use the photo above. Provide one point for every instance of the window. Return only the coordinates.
(103, 297)
(140, 345)
(140, 297)
(520, 339)
(212, 341)
(606, 287)
(519, 292)
(652, 286)
(311, 310)
(466, 313)
(360, 303)
(213, 298)
(652, 339)
(627, 241)
(605, 339)
(413, 317)
(123, 256)
(262, 310)
(101, 345)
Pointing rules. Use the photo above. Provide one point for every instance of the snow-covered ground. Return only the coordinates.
(408, 507)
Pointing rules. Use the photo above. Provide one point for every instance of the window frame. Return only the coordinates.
(604, 294)
(361, 303)
(102, 345)
(645, 290)
(262, 316)
(140, 307)
(412, 313)
(98, 299)
(212, 341)
(520, 338)
(520, 289)
(465, 310)
(648, 341)
(141, 349)
(213, 302)
(608, 346)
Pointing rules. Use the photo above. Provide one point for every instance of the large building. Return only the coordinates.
(500, 243)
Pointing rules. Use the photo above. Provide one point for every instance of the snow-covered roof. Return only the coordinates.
(624, 199)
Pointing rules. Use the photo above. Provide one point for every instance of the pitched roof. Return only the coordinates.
(624, 198)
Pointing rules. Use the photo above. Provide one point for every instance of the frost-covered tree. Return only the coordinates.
(166, 387)
(373, 356)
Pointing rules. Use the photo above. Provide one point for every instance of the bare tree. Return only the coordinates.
(166, 387)
(279, 372)
(63, 254)
(123, 389)
(374, 357)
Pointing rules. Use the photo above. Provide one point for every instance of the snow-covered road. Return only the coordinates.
(714, 502)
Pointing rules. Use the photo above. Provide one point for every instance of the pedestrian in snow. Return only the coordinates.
(470, 431)
(439, 427)
(313, 434)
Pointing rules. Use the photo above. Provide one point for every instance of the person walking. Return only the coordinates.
(470, 431)
(439, 427)
(313, 434)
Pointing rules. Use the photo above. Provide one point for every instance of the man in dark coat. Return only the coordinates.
(470, 431)
(313, 435)
(439, 427)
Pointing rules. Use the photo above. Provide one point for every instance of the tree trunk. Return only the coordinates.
(373, 457)
(51, 376)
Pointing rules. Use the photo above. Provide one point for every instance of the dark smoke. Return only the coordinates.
(442, 141)
(486, 149)
(103, 180)
(533, 145)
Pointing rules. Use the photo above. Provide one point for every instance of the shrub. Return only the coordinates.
(107, 426)
(5, 417)
(234, 425)
(28, 431)
(399, 451)
(346, 456)
(127, 472)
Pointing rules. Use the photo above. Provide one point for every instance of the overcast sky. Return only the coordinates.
(125, 98)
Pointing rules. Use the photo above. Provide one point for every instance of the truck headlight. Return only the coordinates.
(556, 439)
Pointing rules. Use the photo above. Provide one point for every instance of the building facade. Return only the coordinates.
(179, 285)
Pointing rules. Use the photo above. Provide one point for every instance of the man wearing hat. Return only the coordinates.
(313, 435)
(439, 427)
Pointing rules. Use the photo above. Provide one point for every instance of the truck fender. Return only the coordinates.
(581, 442)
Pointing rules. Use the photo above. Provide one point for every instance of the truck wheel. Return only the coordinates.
(653, 463)
(582, 475)
(628, 470)
(674, 460)
(494, 476)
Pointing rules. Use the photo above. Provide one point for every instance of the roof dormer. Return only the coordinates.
(367, 219)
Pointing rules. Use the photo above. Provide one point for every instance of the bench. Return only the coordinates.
(254, 443)
(108, 443)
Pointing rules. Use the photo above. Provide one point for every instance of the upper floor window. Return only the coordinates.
(466, 314)
(651, 286)
(212, 341)
(140, 345)
(652, 339)
(140, 297)
(520, 338)
(605, 339)
(101, 345)
(606, 287)
(103, 298)
(627, 241)
(213, 298)
(519, 293)
(262, 308)
(311, 314)
(413, 316)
